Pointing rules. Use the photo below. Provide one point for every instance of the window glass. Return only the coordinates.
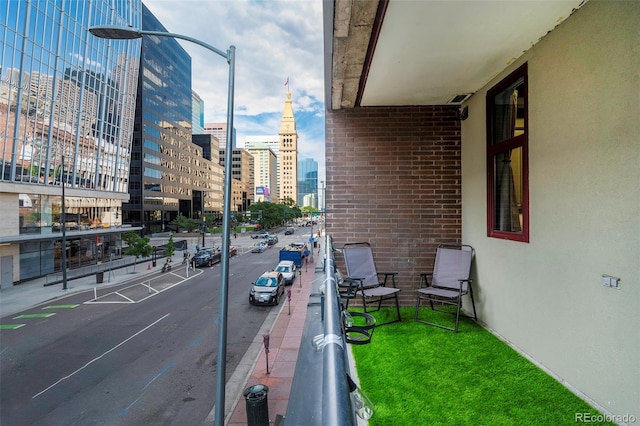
(507, 147)
(508, 113)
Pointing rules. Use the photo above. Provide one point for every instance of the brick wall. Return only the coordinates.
(394, 180)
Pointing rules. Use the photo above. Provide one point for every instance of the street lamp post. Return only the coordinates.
(63, 220)
(117, 32)
(204, 219)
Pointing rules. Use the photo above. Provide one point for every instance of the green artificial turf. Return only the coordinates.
(417, 374)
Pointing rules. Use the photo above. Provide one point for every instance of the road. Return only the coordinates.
(142, 354)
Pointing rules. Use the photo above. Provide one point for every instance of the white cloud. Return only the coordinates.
(274, 40)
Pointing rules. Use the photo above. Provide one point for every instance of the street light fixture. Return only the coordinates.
(128, 33)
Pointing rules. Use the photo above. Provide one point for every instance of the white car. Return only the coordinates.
(288, 270)
(259, 247)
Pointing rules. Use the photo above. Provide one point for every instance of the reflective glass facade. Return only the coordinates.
(307, 179)
(168, 171)
(67, 105)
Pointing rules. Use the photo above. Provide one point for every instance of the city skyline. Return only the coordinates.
(277, 42)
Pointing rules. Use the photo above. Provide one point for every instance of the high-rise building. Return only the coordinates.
(288, 164)
(242, 172)
(307, 179)
(197, 114)
(168, 171)
(219, 130)
(66, 121)
(266, 150)
(265, 165)
(212, 194)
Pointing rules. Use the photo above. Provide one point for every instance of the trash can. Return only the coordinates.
(257, 408)
(99, 277)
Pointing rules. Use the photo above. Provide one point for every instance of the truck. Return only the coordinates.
(293, 252)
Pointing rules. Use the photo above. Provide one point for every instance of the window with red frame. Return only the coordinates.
(507, 158)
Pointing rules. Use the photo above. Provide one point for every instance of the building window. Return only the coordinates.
(507, 158)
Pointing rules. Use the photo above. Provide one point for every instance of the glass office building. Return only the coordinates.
(168, 172)
(67, 105)
(307, 180)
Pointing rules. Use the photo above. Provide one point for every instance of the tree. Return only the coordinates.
(289, 202)
(138, 246)
(171, 248)
(183, 222)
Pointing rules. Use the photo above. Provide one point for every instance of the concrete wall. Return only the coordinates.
(546, 297)
(10, 223)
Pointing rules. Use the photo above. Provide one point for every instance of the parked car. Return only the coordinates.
(259, 247)
(206, 257)
(267, 289)
(289, 230)
(272, 239)
(288, 270)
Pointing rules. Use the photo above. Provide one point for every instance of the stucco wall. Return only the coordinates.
(546, 297)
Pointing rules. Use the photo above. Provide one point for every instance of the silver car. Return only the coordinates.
(267, 289)
(288, 270)
(259, 247)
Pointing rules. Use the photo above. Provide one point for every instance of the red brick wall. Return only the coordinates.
(394, 180)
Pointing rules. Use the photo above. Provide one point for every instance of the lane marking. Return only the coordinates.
(144, 389)
(125, 297)
(11, 326)
(145, 285)
(61, 306)
(34, 316)
(101, 356)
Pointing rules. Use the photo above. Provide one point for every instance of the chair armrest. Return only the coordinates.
(386, 276)
(468, 280)
(350, 284)
(424, 279)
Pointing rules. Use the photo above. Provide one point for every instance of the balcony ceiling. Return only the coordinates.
(426, 52)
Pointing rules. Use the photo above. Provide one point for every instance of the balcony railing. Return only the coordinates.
(320, 389)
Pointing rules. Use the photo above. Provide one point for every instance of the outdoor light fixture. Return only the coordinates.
(127, 33)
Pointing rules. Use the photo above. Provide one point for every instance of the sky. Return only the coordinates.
(275, 40)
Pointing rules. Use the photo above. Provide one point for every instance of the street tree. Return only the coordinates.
(138, 246)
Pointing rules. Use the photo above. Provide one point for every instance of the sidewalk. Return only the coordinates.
(284, 343)
(28, 294)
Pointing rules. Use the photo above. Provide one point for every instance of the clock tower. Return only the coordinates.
(288, 135)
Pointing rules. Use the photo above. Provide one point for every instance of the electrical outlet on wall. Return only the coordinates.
(610, 281)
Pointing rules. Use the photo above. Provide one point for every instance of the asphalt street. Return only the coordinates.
(139, 353)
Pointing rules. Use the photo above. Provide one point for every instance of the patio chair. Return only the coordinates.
(361, 268)
(448, 283)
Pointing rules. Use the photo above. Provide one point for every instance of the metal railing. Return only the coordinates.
(320, 390)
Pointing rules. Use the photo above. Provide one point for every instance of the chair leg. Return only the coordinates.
(458, 306)
(398, 307)
(475, 316)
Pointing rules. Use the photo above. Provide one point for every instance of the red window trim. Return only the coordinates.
(521, 141)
